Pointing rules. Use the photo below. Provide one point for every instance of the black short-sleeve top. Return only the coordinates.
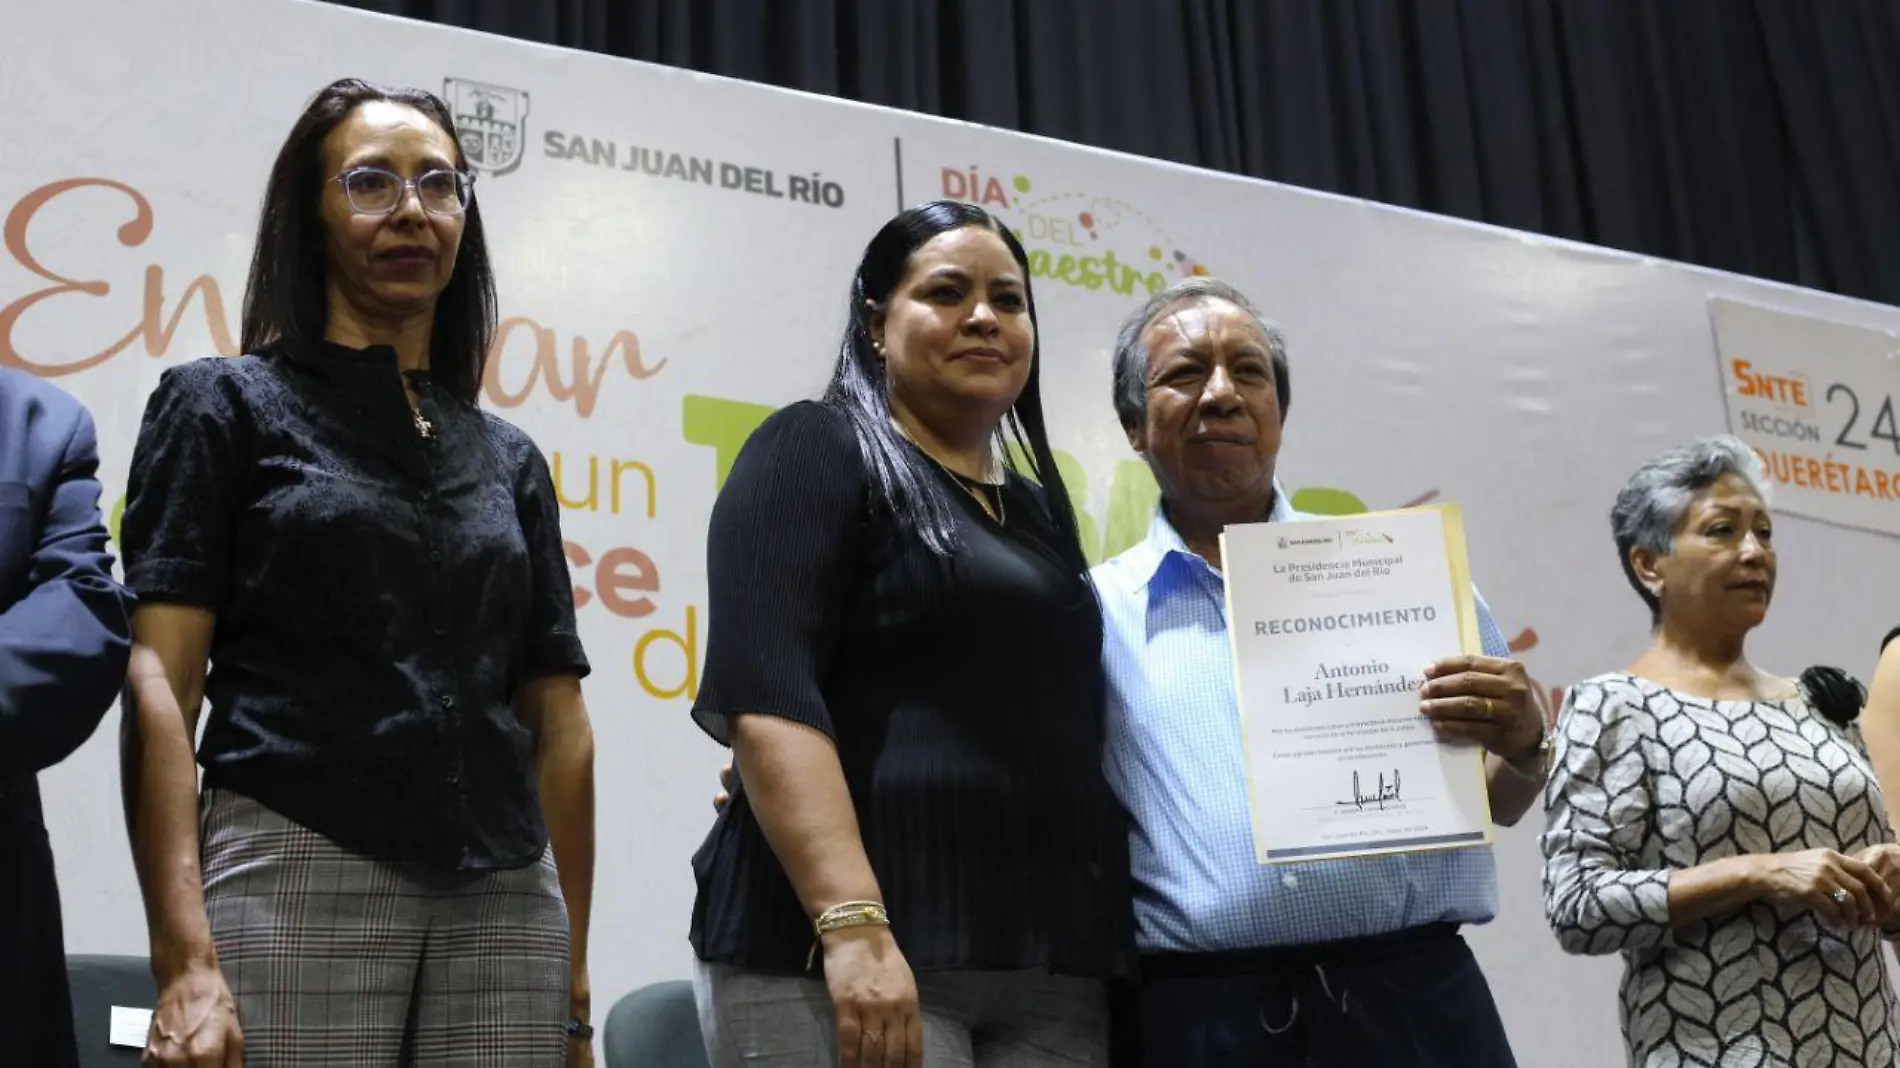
(964, 696)
(381, 589)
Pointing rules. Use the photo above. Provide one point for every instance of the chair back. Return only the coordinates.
(99, 983)
(655, 1026)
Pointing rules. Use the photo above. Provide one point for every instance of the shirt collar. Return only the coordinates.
(1165, 543)
(332, 362)
(321, 355)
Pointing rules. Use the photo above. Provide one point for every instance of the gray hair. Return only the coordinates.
(1655, 498)
(1131, 356)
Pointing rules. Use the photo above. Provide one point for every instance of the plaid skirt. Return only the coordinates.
(340, 961)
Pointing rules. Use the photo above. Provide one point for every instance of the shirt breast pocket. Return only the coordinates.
(17, 537)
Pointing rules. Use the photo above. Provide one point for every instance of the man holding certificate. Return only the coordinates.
(1342, 948)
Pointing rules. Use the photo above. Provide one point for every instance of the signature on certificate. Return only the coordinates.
(1383, 793)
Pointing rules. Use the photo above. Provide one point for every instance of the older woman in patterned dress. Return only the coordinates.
(1717, 825)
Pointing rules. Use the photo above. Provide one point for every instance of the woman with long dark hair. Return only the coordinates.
(371, 568)
(921, 852)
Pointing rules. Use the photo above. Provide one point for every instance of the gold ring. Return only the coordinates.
(1490, 709)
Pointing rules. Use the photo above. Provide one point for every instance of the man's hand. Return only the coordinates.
(1484, 700)
(724, 796)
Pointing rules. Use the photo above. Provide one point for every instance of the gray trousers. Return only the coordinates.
(339, 961)
(1025, 1019)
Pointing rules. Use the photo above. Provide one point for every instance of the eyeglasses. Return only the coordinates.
(375, 191)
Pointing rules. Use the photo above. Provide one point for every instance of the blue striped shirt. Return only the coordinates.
(1174, 758)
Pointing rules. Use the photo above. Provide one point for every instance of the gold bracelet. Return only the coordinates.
(842, 915)
(850, 914)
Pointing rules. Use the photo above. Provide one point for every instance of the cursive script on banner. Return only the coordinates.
(154, 329)
(581, 387)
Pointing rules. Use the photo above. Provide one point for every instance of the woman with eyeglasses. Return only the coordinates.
(397, 752)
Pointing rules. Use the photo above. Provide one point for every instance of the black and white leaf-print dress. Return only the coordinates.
(1647, 780)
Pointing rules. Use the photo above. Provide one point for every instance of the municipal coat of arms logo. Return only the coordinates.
(492, 121)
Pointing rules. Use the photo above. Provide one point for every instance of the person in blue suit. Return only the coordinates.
(65, 635)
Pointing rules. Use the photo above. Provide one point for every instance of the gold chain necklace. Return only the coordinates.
(998, 511)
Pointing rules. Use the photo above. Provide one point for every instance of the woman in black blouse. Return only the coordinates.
(905, 658)
(372, 568)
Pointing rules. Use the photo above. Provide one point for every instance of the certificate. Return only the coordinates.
(1333, 622)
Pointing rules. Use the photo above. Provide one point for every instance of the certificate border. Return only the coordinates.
(1382, 848)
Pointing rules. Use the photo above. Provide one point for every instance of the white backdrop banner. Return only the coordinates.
(673, 254)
